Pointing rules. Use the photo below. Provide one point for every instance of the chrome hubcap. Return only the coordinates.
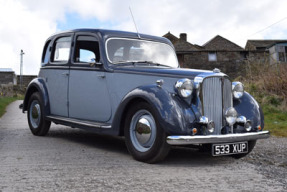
(142, 130)
(35, 114)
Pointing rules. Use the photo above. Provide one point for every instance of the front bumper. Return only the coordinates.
(205, 139)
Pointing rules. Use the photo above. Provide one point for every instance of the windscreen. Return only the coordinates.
(134, 50)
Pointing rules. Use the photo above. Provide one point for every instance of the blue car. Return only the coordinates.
(129, 84)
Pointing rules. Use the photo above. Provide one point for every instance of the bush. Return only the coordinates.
(267, 82)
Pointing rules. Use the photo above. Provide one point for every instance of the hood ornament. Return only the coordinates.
(216, 70)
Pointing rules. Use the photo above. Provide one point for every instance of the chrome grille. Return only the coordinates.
(216, 98)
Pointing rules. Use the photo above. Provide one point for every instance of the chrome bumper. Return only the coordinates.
(205, 139)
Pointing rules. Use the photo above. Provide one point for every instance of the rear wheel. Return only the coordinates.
(145, 139)
(37, 123)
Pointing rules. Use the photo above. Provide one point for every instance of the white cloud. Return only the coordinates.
(26, 24)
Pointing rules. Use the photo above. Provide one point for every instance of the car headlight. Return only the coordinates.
(237, 90)
(184, 87)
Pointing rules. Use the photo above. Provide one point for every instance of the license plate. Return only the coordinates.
(229, 148)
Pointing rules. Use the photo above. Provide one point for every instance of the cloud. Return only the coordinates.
(26, 24)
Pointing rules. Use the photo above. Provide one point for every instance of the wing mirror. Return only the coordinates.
(93, 63)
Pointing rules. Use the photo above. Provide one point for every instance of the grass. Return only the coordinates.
(267, 83)
(275, 120)
(5, 101)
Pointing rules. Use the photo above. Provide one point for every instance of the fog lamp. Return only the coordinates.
(231, 116)
(248, 126)
(210, 126)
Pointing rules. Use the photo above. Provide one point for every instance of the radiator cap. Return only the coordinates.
(215, 70)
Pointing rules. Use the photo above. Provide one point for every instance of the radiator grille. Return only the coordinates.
(216, 98)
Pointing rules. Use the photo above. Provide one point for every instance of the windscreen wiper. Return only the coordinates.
(150, 63)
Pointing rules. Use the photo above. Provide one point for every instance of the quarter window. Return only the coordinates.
(62, 48)
(46, 53)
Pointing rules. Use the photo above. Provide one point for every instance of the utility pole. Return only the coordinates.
(21, 68)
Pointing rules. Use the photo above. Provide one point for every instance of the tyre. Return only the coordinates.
(145, 139)
(37, 123)
(251, 145)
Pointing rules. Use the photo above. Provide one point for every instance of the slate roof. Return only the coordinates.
(219, 43)
(6, 70)
(262, 44)
(179, 44)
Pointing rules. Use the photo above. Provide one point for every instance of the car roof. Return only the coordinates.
(106, 33)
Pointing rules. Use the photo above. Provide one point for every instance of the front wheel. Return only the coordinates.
(37, 123)
(145, 139)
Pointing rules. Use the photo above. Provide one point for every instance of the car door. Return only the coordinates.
(56, 73)
(88, 94)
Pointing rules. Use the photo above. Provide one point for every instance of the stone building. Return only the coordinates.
(216, 53)
(272, 51)
(7, 77)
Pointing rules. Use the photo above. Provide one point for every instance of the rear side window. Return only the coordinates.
(46, 53)
(86, 50)
(61, 51)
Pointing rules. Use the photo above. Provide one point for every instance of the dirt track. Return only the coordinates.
(74, 160)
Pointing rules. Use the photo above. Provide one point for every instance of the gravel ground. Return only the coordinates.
(74, 160)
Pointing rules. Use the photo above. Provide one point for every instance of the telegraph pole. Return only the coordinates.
(21, 68)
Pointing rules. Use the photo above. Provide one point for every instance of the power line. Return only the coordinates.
(268, 27)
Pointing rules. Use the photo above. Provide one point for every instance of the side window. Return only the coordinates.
(86, 50)
(61, 50)
(46, 53)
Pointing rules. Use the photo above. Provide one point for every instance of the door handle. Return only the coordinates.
(101, 76)
(65, 74)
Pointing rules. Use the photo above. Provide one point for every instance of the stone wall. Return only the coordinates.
(231, 63)
(26, 79)
(7, 78)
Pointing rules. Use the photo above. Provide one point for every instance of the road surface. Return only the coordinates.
(74, 160)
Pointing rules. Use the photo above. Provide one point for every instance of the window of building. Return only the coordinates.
(86, 50)
(212, 56)
(62, 48)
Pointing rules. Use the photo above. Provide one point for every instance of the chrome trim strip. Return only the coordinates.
(202, 139)
(79, 122)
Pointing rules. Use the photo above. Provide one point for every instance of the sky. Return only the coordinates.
(26, 24)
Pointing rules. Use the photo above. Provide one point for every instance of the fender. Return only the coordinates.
(37, 85)
(248, 107)
(174, 114)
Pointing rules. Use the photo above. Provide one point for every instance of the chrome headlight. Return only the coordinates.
(184, 87)
(237, 90)
(231, 116)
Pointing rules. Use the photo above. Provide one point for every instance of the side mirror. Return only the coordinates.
(94, 63)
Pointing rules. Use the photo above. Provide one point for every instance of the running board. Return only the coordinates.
(77, 123)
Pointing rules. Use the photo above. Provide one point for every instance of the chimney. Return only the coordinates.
(183, 36)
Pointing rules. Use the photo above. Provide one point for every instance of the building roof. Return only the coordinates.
(219, 43)
(262, 44)
(6, 70)
(179, 44)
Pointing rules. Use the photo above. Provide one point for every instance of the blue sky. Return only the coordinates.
(26, 24)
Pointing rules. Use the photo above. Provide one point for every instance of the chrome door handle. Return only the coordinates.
(101, 76)
(65, 74)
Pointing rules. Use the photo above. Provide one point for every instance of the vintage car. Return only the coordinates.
(129, 84)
